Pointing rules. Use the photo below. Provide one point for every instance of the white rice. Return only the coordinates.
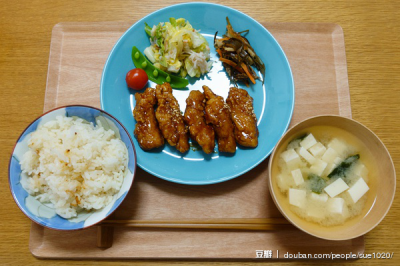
(74, 165)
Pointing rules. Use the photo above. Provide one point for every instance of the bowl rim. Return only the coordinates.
(37, 118)
(272, 192)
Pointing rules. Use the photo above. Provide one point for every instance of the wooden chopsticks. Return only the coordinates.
(105, 229)
(229, 224)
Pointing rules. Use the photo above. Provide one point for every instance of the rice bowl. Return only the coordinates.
(72, 167)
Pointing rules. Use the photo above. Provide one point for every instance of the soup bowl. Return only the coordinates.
(381, 176)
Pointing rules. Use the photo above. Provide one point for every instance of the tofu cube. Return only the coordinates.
(318, 149)
(330, 155)
(308, 142)
(338, 160)
(318, 167)
(329, 168)
(335, 205)
(338, 145)
(358, 190)
(291, 158)
(335, 188)
(297, 177)
(360, 169)
(319, 197)
(306, 155)
(297, 197)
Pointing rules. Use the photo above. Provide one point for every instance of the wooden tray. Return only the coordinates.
(78, 53)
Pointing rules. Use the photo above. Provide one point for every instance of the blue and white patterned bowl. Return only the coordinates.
(43, 214)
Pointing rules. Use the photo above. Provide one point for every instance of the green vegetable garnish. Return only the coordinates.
(160, 38)
(137, 55)
(317, 183)
(341, 169)
(147, 28)
(154, 74)
(172, 21)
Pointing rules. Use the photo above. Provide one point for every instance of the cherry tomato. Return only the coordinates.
(136, 78)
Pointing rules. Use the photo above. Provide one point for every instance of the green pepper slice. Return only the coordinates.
(155, 74)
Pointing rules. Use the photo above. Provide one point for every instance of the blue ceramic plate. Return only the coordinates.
(44, 214)
(273, 100)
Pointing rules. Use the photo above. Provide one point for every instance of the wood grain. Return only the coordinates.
(371, 35)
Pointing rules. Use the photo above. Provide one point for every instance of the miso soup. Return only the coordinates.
(326, 175)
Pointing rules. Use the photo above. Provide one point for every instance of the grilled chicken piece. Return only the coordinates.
(217, 114)
(242, 114)
(200, 132)
(170, 119)
(146, 130)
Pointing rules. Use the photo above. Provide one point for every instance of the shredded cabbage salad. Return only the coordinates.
(177, 47)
